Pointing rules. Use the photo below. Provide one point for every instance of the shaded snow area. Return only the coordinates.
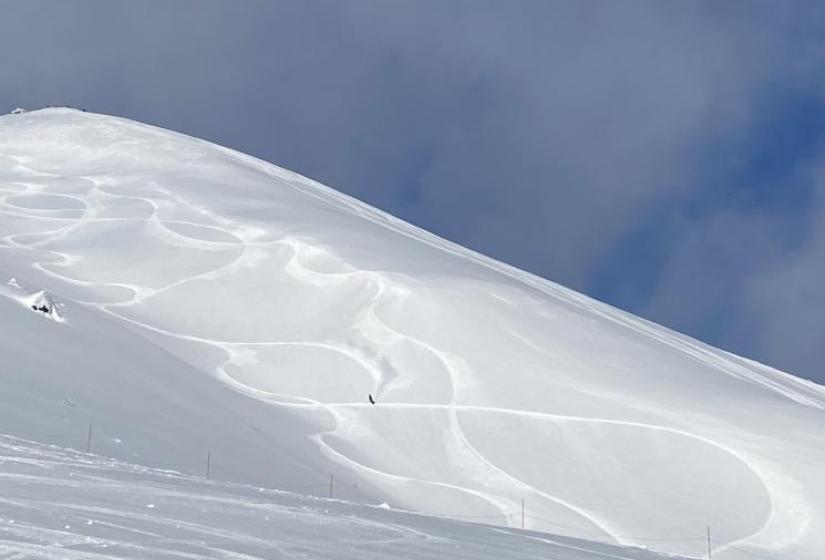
(223, 315)
(70, 506)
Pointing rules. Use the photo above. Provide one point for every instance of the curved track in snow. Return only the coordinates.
(315, 300)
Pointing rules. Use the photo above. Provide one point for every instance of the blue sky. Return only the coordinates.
(665, 157)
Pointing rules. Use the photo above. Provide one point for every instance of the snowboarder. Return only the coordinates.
(372, 401)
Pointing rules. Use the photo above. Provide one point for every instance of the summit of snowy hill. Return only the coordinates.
(218, 310)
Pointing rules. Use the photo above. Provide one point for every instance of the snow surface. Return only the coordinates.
(212, 303)
(58, 504)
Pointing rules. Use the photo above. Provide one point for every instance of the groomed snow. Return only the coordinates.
(215, 304)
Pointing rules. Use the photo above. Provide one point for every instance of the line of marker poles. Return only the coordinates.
(709, 540)
(332, 485)
(209, 467)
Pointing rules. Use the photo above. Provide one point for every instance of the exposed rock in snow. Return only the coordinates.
(40, 302)
(44, 303)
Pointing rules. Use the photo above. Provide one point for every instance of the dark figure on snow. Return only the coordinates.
(372, 401)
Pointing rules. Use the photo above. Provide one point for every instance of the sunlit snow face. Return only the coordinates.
(217, 306)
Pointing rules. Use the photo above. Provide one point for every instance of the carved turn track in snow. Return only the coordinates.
(493, 386)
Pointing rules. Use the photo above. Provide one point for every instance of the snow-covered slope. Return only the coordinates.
(210, 303)
(58, 504)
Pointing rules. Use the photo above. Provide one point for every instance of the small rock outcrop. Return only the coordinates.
(45, 304)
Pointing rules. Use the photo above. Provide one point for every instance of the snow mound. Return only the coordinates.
(233, 317)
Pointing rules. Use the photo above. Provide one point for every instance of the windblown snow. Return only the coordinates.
(173, 304)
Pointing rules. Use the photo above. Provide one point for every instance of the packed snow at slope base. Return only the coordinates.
(213, 303)
(57, 504)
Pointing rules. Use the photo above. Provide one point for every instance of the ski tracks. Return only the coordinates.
(376, 336)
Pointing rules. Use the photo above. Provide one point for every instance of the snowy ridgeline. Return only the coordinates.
(190, 301)
(62, 504)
